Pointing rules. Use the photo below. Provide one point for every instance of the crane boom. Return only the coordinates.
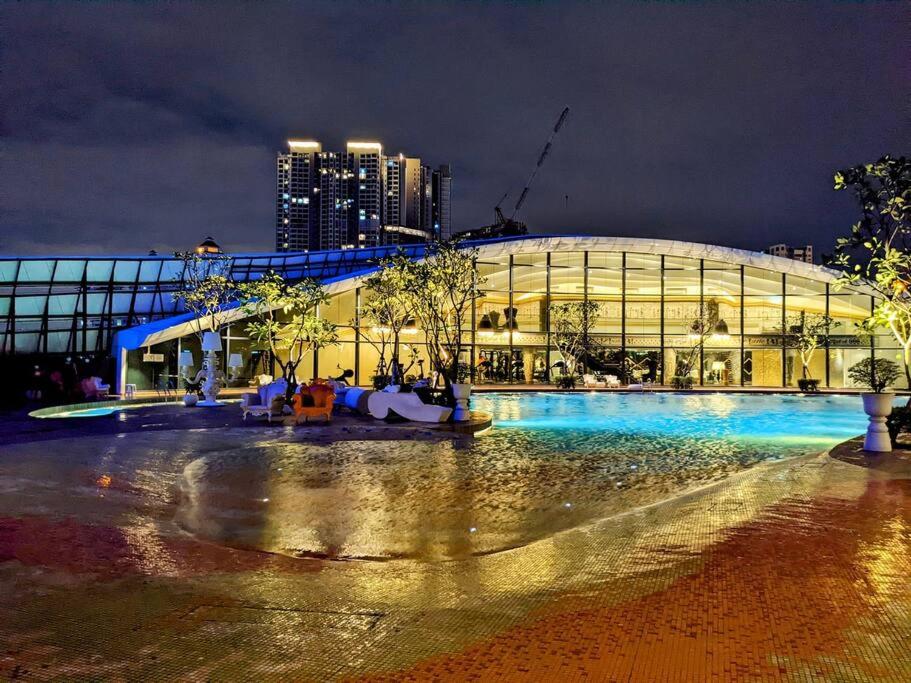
(544, 152)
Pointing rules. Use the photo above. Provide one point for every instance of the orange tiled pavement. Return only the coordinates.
(782, 596)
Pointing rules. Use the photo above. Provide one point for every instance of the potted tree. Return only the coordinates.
(877, 374)
(385, 316)
(205, 289)
(807, 332)
(286, 321)
(441, 292)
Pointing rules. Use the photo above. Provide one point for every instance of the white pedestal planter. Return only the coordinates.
(190, 400)
(461, 392)
(878, 407)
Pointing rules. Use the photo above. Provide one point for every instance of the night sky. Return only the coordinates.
(140, 126)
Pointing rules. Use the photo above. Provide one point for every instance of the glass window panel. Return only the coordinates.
(643, 261)
(721, 283)
(4, 305)
(762, 315)
(30, 305)
(496, 279)
(719, 265)
(759, 281)
(26, 343)
(762, 367)
(721, 367)
(567, 258)
(529, 279)
(340, 309)
(814, 304)
(531, 311)
(530, 259)
(170, 271)
(643, 316)
(566, 280)
(610, 315)
(99, 271)
(62, 304)
(148, 271)
(126, 271)
(69, 271)
(605, 259)
(36, 271)
(680, 263)
(643, 282)
(795, 285)
(605, 281)
(679, 315)
(122, 302)
(58, 342)
(681, 283)
(144, 303)
(8, 270)
(96, 303)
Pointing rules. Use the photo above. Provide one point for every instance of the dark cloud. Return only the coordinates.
(135, 126)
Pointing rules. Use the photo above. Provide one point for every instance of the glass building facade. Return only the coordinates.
(648, 292)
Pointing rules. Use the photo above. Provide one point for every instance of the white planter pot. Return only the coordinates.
(190, 400)
(461, 392)
(878, 407)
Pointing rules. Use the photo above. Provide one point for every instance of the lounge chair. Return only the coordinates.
(591, 381)
(410, 406)
(323, 401)
(612, 381)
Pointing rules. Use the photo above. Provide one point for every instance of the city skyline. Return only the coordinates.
(137, 127)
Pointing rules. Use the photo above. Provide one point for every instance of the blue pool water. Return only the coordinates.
(774, 423)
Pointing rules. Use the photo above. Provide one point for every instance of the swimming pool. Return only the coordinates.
(552, 461)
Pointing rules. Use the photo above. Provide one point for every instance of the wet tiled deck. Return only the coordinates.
(795, 570)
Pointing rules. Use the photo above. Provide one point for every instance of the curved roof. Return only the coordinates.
(169, 328)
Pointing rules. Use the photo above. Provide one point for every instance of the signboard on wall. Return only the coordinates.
(153, 358)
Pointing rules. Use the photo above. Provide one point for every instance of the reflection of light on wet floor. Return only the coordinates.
(551, 462)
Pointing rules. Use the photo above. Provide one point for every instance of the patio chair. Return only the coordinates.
(612, 381)
(323, 399)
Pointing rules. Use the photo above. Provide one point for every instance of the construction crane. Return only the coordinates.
(506, 227)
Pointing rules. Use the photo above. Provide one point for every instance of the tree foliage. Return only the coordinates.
(877, 253)
(572, 323)
(285, 320)
(441, 291)
(386, 312)
(206, 288)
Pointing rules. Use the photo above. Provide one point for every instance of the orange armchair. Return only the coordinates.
(323, 399)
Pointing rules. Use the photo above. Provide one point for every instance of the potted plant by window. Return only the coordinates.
(878, 374)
